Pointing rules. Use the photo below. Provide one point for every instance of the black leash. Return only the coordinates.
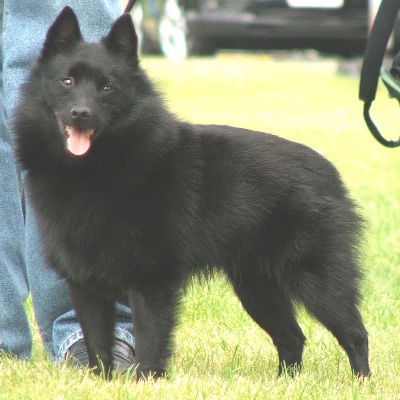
(129, 6)
(374, 53)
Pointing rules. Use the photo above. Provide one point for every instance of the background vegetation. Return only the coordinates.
(220, 352)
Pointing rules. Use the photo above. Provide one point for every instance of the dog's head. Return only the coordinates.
(85, 86)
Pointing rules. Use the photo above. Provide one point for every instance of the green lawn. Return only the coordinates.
(220, 352)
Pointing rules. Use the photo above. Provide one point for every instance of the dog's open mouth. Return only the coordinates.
(78, 140)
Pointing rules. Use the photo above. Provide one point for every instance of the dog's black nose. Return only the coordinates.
(80, 112)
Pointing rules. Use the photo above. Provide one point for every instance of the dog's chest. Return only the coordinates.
(92, 231)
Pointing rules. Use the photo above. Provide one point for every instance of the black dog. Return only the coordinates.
(131, 202)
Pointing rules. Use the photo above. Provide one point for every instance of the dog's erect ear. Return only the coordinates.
(122, 38)
(62, 34)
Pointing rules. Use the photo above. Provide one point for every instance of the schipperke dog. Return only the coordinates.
(131, 202)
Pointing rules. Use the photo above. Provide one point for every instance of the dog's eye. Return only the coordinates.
(107, 88)
(67, 82)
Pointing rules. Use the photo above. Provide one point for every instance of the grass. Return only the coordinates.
(220, 352)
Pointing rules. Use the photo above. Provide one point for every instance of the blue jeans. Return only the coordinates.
(23, 25)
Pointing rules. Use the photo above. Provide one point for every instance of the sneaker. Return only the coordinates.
(123, 355)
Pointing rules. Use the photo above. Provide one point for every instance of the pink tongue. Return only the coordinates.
(78, 142)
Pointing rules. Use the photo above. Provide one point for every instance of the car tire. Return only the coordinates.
(137, 18)
(145, 44)
(172, 31)
(175, 41)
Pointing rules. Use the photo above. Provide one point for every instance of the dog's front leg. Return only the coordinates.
(96, 315)
(154, 312)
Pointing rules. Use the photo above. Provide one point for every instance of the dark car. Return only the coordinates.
(179, 28)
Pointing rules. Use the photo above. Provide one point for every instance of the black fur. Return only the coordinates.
(156, 200)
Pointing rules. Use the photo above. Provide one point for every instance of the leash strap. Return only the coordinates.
(129, 6)
(372, 62)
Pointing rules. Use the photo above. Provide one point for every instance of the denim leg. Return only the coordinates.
(66, 331)
(24, 31)
(15, 333)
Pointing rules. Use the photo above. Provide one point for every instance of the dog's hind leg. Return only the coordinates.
(332, 299)
(268, 305)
